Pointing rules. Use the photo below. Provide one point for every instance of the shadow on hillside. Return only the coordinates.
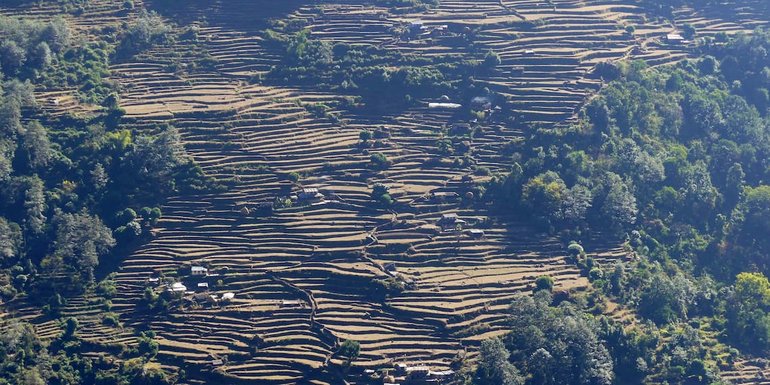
(244, 15)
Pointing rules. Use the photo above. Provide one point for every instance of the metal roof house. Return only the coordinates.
(177, 287)
(310, 194)
(675, 38)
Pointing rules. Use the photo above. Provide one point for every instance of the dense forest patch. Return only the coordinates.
(379, 77)
(76, 191)
(675, 158)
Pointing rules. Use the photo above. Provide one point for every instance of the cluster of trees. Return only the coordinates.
(27, 360)
(147, 30)
(47, 53)
(379, 76)
(675, 159)
(28, 47)
(74, 193)
(678, 153)
(67, 186)
(553, 342)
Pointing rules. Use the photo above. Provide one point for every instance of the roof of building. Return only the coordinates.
(442, 373)
(444, 105)
(199, 268)
(674, 36)
(203, 284)
(178, 286)
(227, 296)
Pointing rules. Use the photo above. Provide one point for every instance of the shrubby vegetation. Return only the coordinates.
(69, 186)
(674, 160)
(676, 153)
(148, 29)
(564, 342)
(380, 77)
(75, 193)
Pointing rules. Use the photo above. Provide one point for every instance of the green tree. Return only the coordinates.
(379, 161)
(350, 349)
(12, 57)
(544, 282)
(36, 145)
(748, 322)
(619, 206)
(81, 239)
(10, 240)
(381, 194)
(494, 367)
(492, 59)
(544, 195)
(35, 205)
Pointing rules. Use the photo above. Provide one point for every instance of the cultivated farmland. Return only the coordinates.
(307, 277)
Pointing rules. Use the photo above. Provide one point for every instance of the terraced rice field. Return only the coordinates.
(300, 274)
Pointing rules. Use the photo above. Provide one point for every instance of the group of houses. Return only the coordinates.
(676, 38)
(453, 223)
(419, 29)
(405, 374)
(305, 197)
(200, 292)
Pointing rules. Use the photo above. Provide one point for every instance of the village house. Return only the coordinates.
(450, 221)
(310, 195)
(177, 287)
(227, 297)
(419, 374)
(443, 195)
(476, 233)
(444, 106)
(199, 270)
(675, 38)
(416, 27)
(390, 267)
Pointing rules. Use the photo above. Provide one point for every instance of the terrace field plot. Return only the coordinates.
(749, 372)
(321, 255)
(547, 51)
(305, 278)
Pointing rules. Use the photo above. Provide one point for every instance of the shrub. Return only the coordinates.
(350, 349)
(110, 319)
(544, 282)
(492, 59)
(379, 161)
(365, 136)
(381, 194)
